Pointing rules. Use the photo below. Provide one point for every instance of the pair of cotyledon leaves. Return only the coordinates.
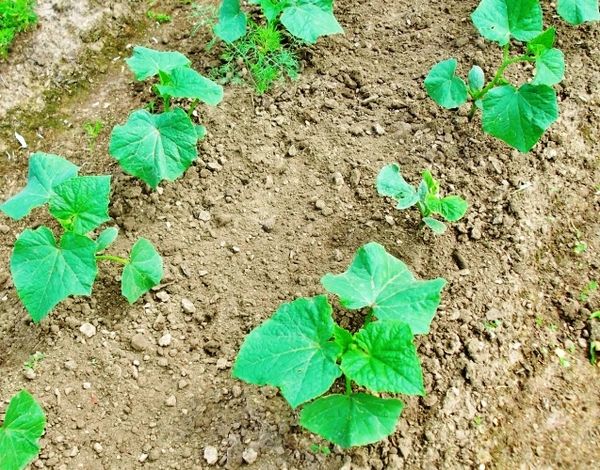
(390, 183)
(46, 272)
(299, 347)
(24, 424)
(305, 19)
(518, 116)
(155, 147)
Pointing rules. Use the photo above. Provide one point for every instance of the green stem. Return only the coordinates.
(348, 385)
(192, 107)
(167, 103)
(116, 259)
(369, 317)
(506, 61)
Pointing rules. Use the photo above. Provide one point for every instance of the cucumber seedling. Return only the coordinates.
(426, 197)
(269, 49)
(20, 433)
(517, 116)
(303, 351)
(155, 147)
(45, 272)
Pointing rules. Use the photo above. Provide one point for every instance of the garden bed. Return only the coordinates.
(283, 192)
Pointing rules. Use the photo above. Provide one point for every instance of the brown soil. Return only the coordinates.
(245, 235)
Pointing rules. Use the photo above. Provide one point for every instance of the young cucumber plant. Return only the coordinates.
(578, 11)
(390, 183)
(303, 351)
(155, 147)
(45, 272)
(518, 116)
(269, 51)
(24, 424)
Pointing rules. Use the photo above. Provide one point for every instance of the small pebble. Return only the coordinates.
(88, 330)
(29, 373)
(165, 340)
(87, 385)
(250, 456)
(163, 296)
(211, 455)
(188, 306)
(98, 447)
(171, 401)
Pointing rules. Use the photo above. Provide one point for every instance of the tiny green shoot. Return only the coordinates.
(426, 197)
(44, 271)
(303, 351)
(492, 325)
(517, 116)
(580, 247)
(20, 433)
(93, 129)
(160, 18)
(320, 449)
(33, 360)
(588, 290)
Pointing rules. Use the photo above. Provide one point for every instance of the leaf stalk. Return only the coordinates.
(116, 259)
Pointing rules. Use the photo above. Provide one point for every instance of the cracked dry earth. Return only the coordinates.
(282, 193)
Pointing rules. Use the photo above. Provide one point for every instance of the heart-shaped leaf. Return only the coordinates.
(292, 350)
(46, 171)
(271, 8)
(184, 82)
(444, 86)
(146, 63)
(391, 183)
(501, 20)
(519, 117)
(80, 204)
(310, 19)
(44, 274)
(542, 42)
(24, 424)
(232, 21)
(451, 208)
(383, 283)
(155, 147)
(143, 272)
(578, 11)
(352, 420)
(384, 359)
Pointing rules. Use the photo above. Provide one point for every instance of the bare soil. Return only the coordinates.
(241, 232)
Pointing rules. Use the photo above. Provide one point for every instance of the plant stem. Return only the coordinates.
(193, 107)
(116, 259)
(369, 317)
(167, 103)
(498, 77)
(348, 385)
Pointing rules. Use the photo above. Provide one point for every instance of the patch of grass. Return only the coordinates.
(15, 16)
(588, 290)
(159, 17)
(34, 360)
(93, 130)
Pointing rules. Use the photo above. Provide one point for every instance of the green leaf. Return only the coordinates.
(45, 172)
(310, 19)
(200, 131)
(184, 82)
(383, 283)
(292, 350)
(501, 20)
(232, 21)
(519, 117)
(352, 420)
(155, 147)
(342, 337)
(106, 238)
(144, 271)
(435, 225)
(444, 86)
(476, 78)
(549, 68)
(271, 8)
(20, 433)
(391, 183)
(542, 42)
(146, 63)
(384, 359)
(451, 208)
(80, 204)
(45, 274)
(431, 184)
(578, 11)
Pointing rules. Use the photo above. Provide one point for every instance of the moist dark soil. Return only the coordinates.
(283, 192)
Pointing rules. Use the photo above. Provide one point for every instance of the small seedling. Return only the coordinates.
(16, 16)
(318, 449)
(160, 18)
(303, 351)
(539, 322)
(93, 130)
(492, 325)
(478, 421)
(45, 272)
(34, 360)
(269, 50)
(451, 208)
(580, 247)
(155, 147)
(24, 424)
(588, 290)
(517, 116)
